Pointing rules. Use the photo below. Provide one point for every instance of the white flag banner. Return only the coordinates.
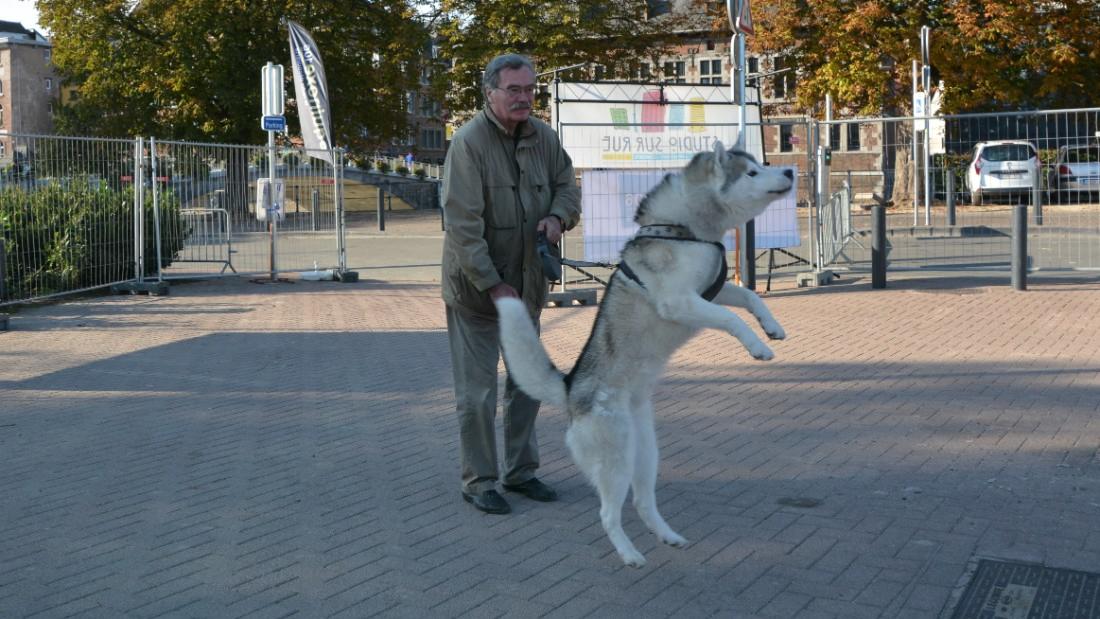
(311, 93)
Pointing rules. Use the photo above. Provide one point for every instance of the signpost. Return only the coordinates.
(741, 23)
(272, 120)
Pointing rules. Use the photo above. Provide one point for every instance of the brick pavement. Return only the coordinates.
(242, 450)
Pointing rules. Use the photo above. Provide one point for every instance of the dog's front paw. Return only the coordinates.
(775, 331)
(673, 539)
(633, 558)
(761, 352)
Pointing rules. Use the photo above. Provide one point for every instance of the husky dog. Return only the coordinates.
(658, 298)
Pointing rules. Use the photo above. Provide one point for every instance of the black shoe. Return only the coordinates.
(534, 490)
(489, 502)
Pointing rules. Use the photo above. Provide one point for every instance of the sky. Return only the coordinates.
(21, 11)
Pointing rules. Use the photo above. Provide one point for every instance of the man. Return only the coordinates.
(506, 180)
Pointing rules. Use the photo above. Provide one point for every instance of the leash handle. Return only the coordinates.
(551, 266)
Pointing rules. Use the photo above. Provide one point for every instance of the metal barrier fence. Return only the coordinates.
(215, 185)
(950, 208)
(77, 214)
(944, 211)
(71, 215)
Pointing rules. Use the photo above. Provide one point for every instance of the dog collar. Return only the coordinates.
(665, 231)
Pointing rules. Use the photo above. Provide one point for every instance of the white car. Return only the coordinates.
(1076, 172)
(1002, 167)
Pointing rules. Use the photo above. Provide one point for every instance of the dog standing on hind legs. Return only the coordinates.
(671, 282)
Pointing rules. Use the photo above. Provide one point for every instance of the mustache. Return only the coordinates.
(520, 106)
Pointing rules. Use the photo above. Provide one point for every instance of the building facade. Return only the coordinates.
(29, 85)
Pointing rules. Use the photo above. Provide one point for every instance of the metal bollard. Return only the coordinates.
(878, 246)
(315, 207)
(750, 255)
(950, 197)
(3, 269)
(1019, 247)
(1037, 203)
(3, 266)
(381, 208)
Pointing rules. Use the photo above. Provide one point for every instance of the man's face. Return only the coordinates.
(511, 100)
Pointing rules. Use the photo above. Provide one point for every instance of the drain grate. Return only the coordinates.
(1008, 590)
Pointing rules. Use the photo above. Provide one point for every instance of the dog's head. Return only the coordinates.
(742, 187)
(718, 190)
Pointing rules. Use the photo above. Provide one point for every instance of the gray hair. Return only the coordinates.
(491, 78)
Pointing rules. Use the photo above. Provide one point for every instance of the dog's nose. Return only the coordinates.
(789, 174)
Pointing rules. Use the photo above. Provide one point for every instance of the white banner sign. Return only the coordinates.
(643, 126)
(609, 199)
(311, 93)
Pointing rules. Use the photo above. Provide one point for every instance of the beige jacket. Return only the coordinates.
(495, 191)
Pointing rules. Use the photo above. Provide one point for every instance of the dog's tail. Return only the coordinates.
(527, 361)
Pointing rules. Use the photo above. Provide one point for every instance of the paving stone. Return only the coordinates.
(231, 450)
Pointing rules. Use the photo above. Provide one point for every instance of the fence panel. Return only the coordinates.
(215, 187)
(944, 214)
(68, 215)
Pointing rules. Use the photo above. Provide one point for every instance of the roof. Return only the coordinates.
(15, 30)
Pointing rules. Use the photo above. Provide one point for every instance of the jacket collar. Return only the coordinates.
(526, 129)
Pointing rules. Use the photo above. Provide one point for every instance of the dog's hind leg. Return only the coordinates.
(602, 445)
(739, 296)
(646, 462)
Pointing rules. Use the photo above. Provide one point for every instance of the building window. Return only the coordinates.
(1, 89)
(710, 72)
(654, 8)
(752, 65)
(431, 138)
(49, 84)
(710, 45)
(643, 71)
(46, 54)
(785, 133)
(853, 136)
(783, 80)
(834, 137)
(1, 116)
(674, 72)
(3, 150)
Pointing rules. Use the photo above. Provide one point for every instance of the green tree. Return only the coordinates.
(614, 34)
(190, 69)
(992, 54)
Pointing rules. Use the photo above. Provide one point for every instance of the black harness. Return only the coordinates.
(679, 233)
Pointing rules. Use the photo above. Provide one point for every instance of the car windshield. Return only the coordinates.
(1007, 152)
(1083, 155)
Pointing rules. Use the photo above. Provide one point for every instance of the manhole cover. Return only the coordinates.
(1008, 590)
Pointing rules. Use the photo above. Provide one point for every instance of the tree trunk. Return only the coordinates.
(899, 180)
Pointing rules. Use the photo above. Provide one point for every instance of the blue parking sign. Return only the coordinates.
(274, 123)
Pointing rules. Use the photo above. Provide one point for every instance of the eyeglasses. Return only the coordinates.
(515, 91)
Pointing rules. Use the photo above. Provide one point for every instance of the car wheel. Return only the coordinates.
(976, 197)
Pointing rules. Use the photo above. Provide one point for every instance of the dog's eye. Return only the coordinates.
(752, 172)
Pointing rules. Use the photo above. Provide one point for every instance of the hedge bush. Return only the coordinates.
(79, 234)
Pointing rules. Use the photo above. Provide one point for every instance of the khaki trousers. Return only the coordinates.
(475, 351)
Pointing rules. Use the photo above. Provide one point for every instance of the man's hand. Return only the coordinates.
(501, 291)
(550, 225)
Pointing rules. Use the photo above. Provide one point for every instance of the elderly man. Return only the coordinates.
(506, 180)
